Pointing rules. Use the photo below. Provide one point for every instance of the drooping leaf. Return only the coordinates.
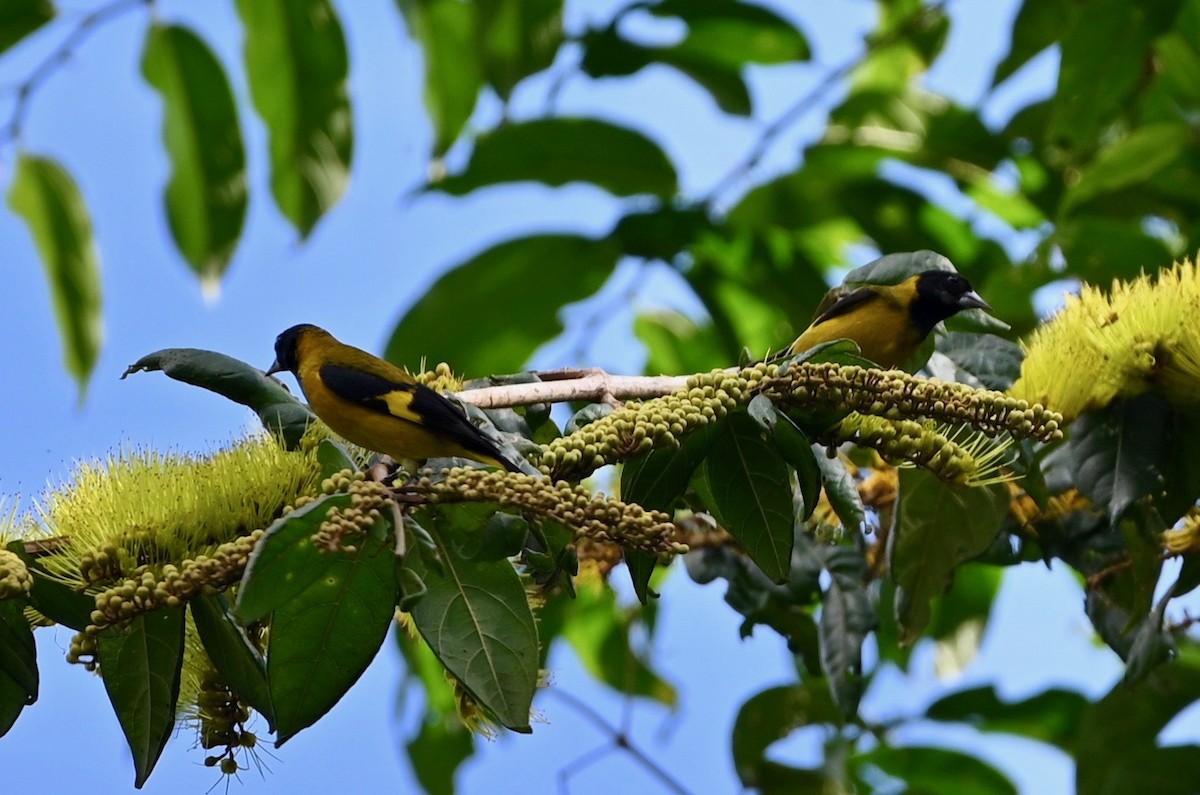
(841, 491)
(206, 195)
(517, 38)
(236, 658)
(1052, 716)
(19, 18)
(477, 620)
(847, 616)
(927, 769)
(446, 32)
(559, 151)
(744, 482)
(437, 752)
(232, 378)
(936, 527)
(13, 700)
(18, 654)
(796, 450)
(141, 667)
(298, 71)
(324, 637)
(43, 193)
(1120, 452)
(772, 715)
(509, 319)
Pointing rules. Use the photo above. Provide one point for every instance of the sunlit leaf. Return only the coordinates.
(43, 193)
(298, 70)
(1134, 159)
(559, 151)
(141, 667)
(511, 293)
(206, 196)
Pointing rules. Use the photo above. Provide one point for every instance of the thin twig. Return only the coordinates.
(559, 386)
(55, 60)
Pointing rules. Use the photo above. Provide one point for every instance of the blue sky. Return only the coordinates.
(366, 262)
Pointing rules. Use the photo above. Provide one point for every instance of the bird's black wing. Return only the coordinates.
(425, 405)
(844, 303)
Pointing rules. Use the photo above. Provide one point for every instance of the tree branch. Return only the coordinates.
(559, 386)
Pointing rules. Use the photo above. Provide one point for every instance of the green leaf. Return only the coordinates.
(141, 667)
(795, 448)
(745, 484)
(936, 527)
(333, 457)
(298, 70)
(1052, 716)
(925, 769)
(19, 18)
(18, 653)
(558, 151)
(43, 193)
(324, 637)
(437, 752)
(206, 196)
(772, 715)
(841, 491)
(1039, 24)
(1120, 452)
(13, 699)
(994, 361)
(512, 293)
(1116, 742)
(445, 30)
(847, 616)
(517, 38)
(477, 620)
(663, 233)
(286, 563)
(53, 599)
(598, 631)
(676, 344)
(232, 378)
(1132, 160)
(236, 658)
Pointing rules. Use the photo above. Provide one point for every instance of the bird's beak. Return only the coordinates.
(275, 367)
(972, 300)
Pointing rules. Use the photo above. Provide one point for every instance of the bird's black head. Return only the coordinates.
(285, 348)
(942, 294)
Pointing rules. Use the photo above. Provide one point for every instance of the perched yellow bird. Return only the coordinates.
(889, 322)
(375, 404)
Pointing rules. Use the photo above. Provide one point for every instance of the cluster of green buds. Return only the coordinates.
(342, 526)
(15, 579)
(168, 586)
(660, 422)
(896, 395)
(223, 716)
(572, 505)
(107, 562)
(441, 378)
(962, 456)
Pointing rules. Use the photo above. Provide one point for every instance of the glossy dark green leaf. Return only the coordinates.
(236, 658)
(206, 196)
(745, 484)
(1153, 644)
(1052, 716)
(1134, 159)
(1039, 24)
(18, 653)
(936, 527)
(280, 412)
(55, 600)
(43, 193)
(495, 289)
(477, 620)
(298, 70)
(445, 30)
(599, 632)
(795, 448)
(558, 151)
(1120, 452)
(325, 636)
(19, 18)
(847, 616)
(517, 38)
(772, 715)
(286, 563)
(141, 667)
(13, 700)
(927, 769)
(333, 457)
(1116, 742)
(994, 361)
